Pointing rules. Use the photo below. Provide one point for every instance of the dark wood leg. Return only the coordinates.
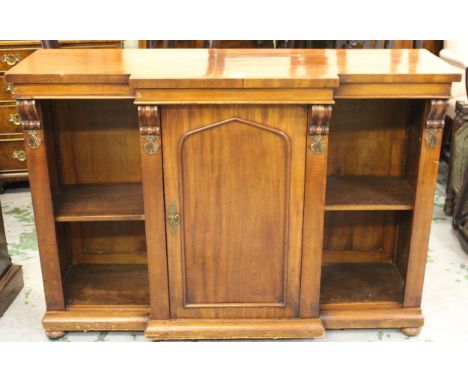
(11, 283)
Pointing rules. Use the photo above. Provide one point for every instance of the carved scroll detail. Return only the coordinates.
(150, 129)
(31, 120)
(435, 121)
(319, 119)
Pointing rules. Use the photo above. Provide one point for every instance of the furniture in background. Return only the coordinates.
(454, 53)
(460, 215)
(11, 276)
(455, 144)
(433, 46)
(274, 221)
(13, 165)
(457, 184)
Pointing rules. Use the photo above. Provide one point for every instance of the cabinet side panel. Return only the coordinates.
(412, 160)
(430, 137)
(41, 182)
(314, 205)
(153, 194)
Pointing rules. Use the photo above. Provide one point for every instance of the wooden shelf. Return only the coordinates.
(100, 202)
(98, 284)
(373, 193)
(361, 283)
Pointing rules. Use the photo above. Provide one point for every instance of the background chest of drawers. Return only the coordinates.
(13, 166)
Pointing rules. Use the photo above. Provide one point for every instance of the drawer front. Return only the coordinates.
(7, 91)
(12, 155)
(10, 57)
(10, 121)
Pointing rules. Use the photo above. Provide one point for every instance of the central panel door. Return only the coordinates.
(234, 189)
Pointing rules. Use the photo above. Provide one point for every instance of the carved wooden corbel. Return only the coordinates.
(319, 120)
(31, 120)
(150, 129)
(435, 121)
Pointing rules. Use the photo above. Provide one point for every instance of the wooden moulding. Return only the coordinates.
(234, 329)
(372, 318)
(11, 284)
(217, 96)
(115, 318)
(94, 319)
(396, 90)
(238, 96)
(73, 91)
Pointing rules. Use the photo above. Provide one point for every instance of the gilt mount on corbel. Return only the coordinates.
(319, 121)
(31, 120)
(150, 128)
(435, 121)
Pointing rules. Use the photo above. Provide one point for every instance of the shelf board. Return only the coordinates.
(100, 202)
(348, 283)
(98, 284)
(372, 193)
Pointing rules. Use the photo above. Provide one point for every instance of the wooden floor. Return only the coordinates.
(99, 284)
(361, 283)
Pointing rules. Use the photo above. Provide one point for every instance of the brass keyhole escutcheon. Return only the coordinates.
(11, 59)
(173, 217)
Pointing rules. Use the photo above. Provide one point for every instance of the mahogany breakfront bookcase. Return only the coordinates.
(232, 193)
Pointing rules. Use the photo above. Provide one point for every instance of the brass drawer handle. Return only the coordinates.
(15, 119)
(19, 155)
(10, 88)
(174, 217)
(11, 59)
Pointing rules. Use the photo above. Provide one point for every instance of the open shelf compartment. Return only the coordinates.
(369, 204)
(96, 160)
(95, 166)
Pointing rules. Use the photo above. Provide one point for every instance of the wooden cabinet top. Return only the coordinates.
(133, 72)
(235, 68)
